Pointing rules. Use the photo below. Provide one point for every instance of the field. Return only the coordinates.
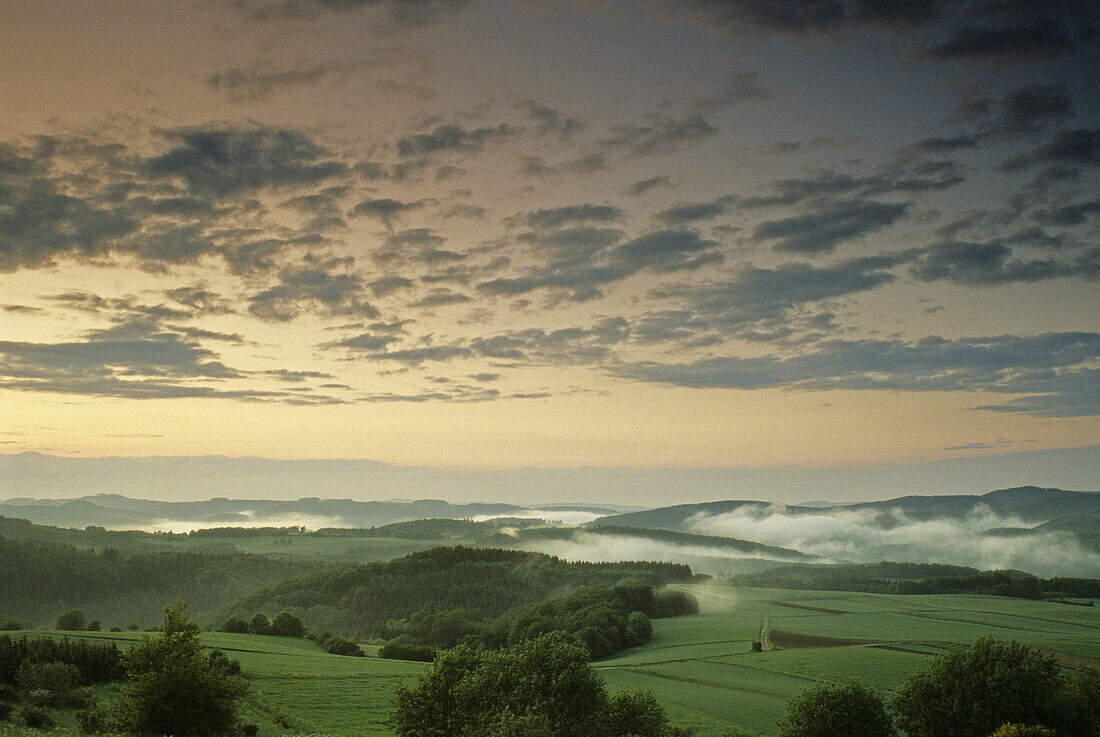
(701, 667)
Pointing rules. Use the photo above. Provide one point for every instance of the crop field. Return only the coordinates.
(701, 667)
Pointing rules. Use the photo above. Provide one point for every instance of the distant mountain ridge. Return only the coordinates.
(115, 511)
(1032, 504)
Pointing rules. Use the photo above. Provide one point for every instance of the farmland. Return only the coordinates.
(701, 667)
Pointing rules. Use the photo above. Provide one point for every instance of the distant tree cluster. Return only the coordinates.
(540, 688)
(987, 689)
(606, 620)
(285, 624)
(914, 578)
(364, 602)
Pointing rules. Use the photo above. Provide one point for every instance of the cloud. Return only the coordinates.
(693, 212)
(642, 186)
(821, 231)
(659, 134)
(581, 261)
(385, 209)
(257, 84)
(557, 217)
(450, 138)
(870, 536)
(551, 122)
(993, 263)
(397, 12)
(1075, 147)
(231, 161)
(311, 288)
(1019, 41)
(1032, 107)
(135, 359)
(1047, 367)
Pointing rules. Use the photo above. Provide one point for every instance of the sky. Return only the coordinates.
(470, 234)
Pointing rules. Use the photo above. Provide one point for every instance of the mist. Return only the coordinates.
(862, 536)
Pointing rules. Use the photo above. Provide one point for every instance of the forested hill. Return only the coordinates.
(1032, 504)
(358, 601)
(40, 580)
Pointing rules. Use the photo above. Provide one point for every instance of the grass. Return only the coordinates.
(700, 666)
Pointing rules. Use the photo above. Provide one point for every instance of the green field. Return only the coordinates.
(700, 666)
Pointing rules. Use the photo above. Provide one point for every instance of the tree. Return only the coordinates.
(234, 624)
(538, 688)
(971, 691)
(259, 624)
(829, 709)
(1018, 730)
(72, 620)
(172, 689)
(286, 624)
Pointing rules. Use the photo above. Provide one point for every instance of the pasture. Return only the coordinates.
(701, 667)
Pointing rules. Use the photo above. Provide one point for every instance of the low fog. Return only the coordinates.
(847, 535)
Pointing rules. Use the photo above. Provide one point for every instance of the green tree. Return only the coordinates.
(286, 624)
(259, 624)
(830, 709)
(172, 689)
(971, 691)
(1019, 730)
(234, 624)
(538, 688)
(72, 620)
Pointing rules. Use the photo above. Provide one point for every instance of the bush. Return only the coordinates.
(234, 624)
(172, 689)
(1017, 730)
(1003, 683)
(538, 688)
(401, 649)
(35, 717)
(11, 624)
(259, 624)
(94, 625)
(827, 710)
(5, 710)
(286, 624)
(93, 720)
(48, 684)
(72, 621)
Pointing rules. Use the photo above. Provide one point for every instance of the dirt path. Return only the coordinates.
(765, 635)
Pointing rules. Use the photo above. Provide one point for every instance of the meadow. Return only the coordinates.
(701, 667)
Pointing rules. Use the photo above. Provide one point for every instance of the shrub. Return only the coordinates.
(11, 623)
(1018, 730)
(93, 720)
(286, 624)
(94, 625)
(50, 683)
(36, 717)
(401, 649)
(72, 621)
(826, 710)
(172, 689)
(259, 624)
(234, 624)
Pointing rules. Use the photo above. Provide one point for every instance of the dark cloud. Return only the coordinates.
(693, 212)
(311, 288)
(1047, 368)
(441, 297)
(738, 87)
(200, 301)
(557, 217)
(385, 209)
(253, 85)
(642, 186)
(445, 139)
(907, 176)
(1033, 107)
(1066, 215)
(232, 161)
(821, 231)
(398, 12)
(389, 284)
(1019, 41)
(993, 263)
(1076, 147)
(551, 122)
(659, 134)
(136, 359)
(580, 262)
